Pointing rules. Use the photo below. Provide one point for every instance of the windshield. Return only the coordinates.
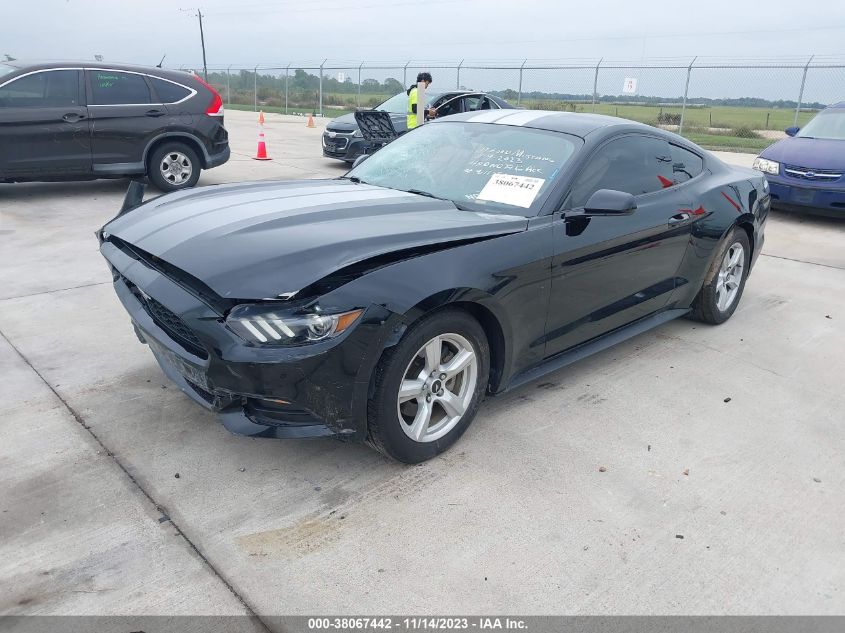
(483, 167)
(828, 124)
(5, 69)
(398, 104)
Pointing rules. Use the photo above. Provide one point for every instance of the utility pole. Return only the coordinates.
(202, 40)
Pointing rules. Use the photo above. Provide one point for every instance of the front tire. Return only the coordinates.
(725, 281)
(173, 167)
(429, 386)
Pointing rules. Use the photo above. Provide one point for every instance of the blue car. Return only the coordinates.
(805, 171)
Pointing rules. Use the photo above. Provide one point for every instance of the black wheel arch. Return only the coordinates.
(179, 137)
(484, 309)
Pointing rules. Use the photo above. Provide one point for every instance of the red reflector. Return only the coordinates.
(215, 108)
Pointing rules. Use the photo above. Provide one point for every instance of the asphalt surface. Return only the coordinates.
(691, 470)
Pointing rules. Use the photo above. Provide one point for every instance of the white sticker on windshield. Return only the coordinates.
(518, 191)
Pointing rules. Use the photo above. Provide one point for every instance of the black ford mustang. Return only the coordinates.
(469, 256)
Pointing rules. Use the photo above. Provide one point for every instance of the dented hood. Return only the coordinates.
(265, 239)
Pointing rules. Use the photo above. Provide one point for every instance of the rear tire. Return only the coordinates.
(725, 280)
(442, 366)
(173, 166)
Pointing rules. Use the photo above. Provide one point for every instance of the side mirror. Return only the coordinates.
(610, 202)
(360, 160)
(792, 131)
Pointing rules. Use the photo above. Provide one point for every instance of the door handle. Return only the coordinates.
(155, 113)
(679, 218)
(73, 117)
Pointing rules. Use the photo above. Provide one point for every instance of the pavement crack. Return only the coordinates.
(47, 292)
(803, 261)
(252, 614)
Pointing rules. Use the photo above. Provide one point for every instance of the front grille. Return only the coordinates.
(335, 144)
(806, 173)
(169, 321)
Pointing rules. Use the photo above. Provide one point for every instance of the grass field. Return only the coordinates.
(697, 120)
(717, 116)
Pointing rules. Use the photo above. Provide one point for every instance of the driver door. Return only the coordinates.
(609, 271)
(44, 126)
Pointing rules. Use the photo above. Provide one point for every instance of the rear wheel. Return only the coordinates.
(173, 166)
(719, 296)
(429, 386)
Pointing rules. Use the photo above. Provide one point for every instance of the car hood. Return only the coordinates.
(813, 153)
(347, 122)
(266, 239)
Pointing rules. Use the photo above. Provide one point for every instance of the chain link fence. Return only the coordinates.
(738, 105)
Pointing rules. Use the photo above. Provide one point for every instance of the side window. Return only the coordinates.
(633, 164)
(48, 89)
(448, 106)
(167, 91)
(472, 104)
(111, 87)
(685, 164)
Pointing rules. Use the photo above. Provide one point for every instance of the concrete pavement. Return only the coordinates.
(517, 517)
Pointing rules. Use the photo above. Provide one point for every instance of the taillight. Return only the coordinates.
(215, 108)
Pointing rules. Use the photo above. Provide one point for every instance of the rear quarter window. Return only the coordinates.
(168, 92)
(686, 165)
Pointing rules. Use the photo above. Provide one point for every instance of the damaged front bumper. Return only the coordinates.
(278, 392)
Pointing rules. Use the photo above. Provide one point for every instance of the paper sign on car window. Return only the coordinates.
(518, 191)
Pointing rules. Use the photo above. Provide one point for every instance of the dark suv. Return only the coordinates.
(86, 120)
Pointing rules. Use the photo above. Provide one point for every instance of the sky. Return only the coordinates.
(303, 32)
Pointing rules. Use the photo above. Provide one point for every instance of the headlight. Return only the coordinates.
(358, 134)
(766, 166)
(258, 324)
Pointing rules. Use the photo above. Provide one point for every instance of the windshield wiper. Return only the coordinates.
(354, 179)
(428, 194)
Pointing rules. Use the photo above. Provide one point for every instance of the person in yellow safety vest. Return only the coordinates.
(412, 99)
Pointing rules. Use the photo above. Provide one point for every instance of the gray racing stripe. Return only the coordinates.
(489, 116)
(521, 118)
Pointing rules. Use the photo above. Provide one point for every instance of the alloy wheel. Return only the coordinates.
(437, 387)
(176, 168)
(730, 276)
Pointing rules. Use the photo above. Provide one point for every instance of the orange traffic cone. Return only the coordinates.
(261, 117)
(310, 121)
(261, 153)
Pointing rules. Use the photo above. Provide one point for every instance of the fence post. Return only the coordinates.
(358, 101)
(405, 74)
(801, 92)
(519, 94)
(255, 89)
(686, 92)
(228, 89)
(287, 71)
(458, 82)
(596, 84)
(321, 86)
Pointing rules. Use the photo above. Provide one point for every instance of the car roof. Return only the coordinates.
(30, 65)
(577, 123)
